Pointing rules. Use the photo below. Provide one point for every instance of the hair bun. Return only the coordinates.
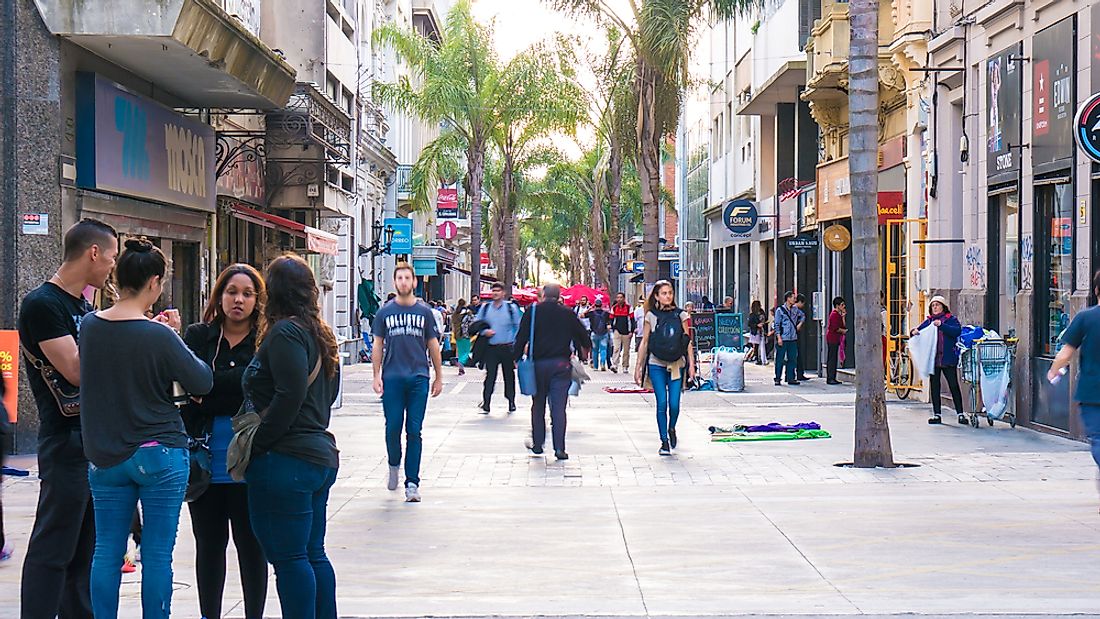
(141, 245)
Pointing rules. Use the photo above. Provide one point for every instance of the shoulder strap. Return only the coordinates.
(35, 362)
(531, 339)
(316, 371)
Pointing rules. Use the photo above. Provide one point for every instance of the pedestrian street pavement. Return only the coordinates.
(993, 521)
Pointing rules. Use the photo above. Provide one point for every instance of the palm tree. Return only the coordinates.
(458, 85)
(539, 96)
(872, 435)
(662, 34)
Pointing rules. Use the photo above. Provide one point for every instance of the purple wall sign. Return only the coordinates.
(130, 145)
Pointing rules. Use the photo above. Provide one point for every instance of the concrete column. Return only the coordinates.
(30, 134)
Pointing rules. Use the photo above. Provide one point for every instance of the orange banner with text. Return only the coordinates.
(9, 371)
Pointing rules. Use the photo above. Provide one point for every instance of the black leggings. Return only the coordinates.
(952, 376)
(212, 514)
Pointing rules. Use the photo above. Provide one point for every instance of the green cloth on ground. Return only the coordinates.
(741, 437)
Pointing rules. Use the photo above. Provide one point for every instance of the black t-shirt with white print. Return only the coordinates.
(47, 313)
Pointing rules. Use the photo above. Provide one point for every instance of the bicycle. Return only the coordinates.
(900, 378)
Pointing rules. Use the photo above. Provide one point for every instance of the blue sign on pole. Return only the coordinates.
(675, 269)
(740, 216)
(402, 234)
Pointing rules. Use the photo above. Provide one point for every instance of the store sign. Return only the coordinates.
(402, 234)
(728, 331)
(36, 223)
(834, 200)
(740, 216)
(837, 237)
(129, 145)
(1052, 97)
(703, 328)
(447, 230)
(243, 179)
(446, 203)
(1003, 85)
(803, 244)
(1086, 127)
(891, 205)
(9, 371)
(484, 259)
(322, 242)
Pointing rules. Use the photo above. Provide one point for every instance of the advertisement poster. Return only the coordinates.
(447, 203)
(702, 323)
(1053, 102)
(1003, 103)
(9, 371)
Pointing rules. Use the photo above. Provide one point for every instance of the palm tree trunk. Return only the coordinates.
(649, 165)
(596, 232)
(475, 170)
(614, 193)
(508, 222)
(872, 439)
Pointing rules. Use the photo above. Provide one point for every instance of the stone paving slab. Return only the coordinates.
(995, 521)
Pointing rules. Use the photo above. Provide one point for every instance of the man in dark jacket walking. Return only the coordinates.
(555, 328)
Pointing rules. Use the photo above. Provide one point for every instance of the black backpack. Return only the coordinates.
(668, 341)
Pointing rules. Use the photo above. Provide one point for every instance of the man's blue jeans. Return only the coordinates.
(786, 355)
(667, 393)
(601, 357)
(287, 501)
(1090, 416)
(404, 400)
(157, 476)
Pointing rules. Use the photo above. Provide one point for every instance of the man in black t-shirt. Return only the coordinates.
(59, 554)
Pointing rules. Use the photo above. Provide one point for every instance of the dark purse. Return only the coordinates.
(202, 469)
(66, 395)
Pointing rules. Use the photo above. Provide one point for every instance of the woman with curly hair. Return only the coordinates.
(292, 383)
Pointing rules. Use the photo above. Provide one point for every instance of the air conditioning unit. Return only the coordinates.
(313, 190)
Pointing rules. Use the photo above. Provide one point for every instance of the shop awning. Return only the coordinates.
(190, 48)
(317, 241)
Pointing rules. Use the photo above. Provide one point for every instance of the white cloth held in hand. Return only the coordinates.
(922, 350)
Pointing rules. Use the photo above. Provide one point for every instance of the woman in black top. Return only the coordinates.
(294, 458)
(226, 341)
(133, 435)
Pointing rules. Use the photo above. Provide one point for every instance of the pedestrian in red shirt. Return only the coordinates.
(834, 338)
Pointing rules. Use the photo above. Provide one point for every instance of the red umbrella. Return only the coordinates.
(573, 294)
(519, 295)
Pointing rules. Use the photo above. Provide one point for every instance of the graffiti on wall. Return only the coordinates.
(975, 267)
(1027, 261)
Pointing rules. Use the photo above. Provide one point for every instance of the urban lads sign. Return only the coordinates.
(1086, 127)
(740, 216)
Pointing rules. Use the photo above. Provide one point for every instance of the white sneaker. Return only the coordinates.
(412, 493)
(391, 483)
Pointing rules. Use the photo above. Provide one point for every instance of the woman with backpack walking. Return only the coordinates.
(665, 351)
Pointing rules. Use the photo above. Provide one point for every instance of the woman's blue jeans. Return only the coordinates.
(667, 392)
(287, 501)
(157, 476)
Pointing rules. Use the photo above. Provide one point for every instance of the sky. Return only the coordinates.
(520, 23)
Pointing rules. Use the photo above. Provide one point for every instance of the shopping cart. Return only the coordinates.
(988, 357)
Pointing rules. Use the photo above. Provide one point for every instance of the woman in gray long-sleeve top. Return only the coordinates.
(133, 433)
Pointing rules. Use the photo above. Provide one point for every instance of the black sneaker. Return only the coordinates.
(664, 450)
(561, 455)
(833, 382)
(614, 370)
(793, 382)
(778, 382)
(672, 437)
(934, 420)
(511, 407)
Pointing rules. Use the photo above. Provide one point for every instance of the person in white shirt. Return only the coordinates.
(639, 316)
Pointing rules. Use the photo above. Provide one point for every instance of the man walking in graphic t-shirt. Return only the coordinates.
(57, 569)
(405, 336)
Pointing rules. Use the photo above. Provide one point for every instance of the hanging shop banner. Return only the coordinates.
(740, 216)
(402, 234)
(702, 324)
(130, 145)
(1086, 127)
(447, 230)
(9, 371)
(1052, 92)
(446, 203)
(1002, 105)
(728, 331)
(803, 244)
(837, 237)
(891, 205)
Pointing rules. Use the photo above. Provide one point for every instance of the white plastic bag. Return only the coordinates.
(994, 382)
(729, 370)
(922, 350)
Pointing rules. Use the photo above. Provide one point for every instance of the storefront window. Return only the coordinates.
(1055, 258)
(1011, 214)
